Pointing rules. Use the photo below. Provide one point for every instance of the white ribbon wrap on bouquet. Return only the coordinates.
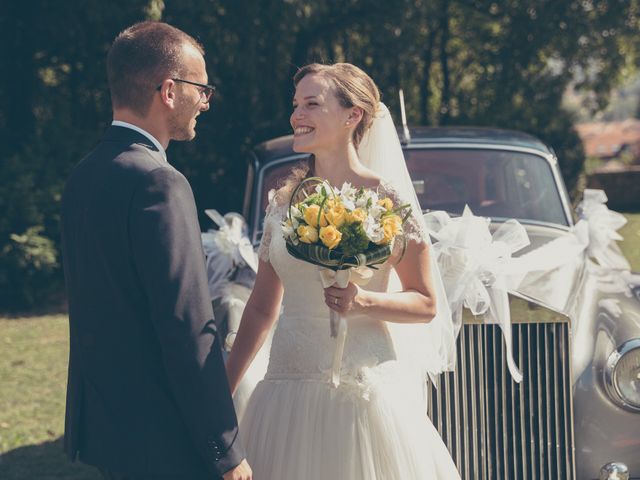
(478, 268)
(338, 325)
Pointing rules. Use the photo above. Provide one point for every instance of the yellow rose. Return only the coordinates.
(337, 215)
(386, 203)
(391, 226)
(358, 215)
(307, 234)
(330, 236)
(311, 216)
(331, 202)
(393, 223)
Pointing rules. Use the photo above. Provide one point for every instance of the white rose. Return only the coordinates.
(296, 214)
(374, 231)
(348, 203)
(376, 211)
(287, 229)
(369, 197)
(348, 192)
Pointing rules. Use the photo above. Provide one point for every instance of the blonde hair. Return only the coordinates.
(353, 88)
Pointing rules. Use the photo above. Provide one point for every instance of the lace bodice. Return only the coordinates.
(302, 346)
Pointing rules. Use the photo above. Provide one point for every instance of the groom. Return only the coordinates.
(147, 394)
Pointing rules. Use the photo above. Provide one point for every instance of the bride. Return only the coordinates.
(373, 425)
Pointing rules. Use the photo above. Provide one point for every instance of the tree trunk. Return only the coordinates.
(18, 83)
(425, 88)
(444, 65)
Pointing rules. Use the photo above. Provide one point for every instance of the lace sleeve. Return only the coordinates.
(414, 230)
(273, 217)
(265, 241)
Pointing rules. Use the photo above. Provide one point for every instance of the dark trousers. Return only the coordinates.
(109, 475)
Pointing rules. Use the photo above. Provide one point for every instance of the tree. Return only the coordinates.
(54, 104)
(500, 63)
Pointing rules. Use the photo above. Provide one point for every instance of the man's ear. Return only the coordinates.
(168, 93)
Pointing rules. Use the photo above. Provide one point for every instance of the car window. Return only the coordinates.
(493, 183)
(271, 178)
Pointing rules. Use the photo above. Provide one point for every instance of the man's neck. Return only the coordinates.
(145, 124)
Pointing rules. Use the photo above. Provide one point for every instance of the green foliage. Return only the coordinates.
(631, 245)
(54, 105)
(354, 238)
(29, 266)
(28, 262)
(481, 62)
(315, 199)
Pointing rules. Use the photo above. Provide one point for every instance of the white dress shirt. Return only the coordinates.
(119, 123)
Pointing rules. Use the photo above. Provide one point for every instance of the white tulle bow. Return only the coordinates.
(338, 324)
(595, 233)
(478, 268)
(602, 226)
(226, 249)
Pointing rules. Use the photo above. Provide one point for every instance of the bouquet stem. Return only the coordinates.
(337, 324)
(341, 337)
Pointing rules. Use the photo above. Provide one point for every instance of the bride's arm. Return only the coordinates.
(416, 302)
(260, 313)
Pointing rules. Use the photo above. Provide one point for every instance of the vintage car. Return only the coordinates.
(575, 326)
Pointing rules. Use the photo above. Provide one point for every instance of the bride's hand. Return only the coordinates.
(343, 300)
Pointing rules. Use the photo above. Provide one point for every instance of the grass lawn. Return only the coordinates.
(631, 244)
(33, 373)
(33, 378)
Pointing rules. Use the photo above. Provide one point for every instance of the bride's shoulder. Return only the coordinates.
(387, 189)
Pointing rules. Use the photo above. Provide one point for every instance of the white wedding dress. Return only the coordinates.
(373, 425)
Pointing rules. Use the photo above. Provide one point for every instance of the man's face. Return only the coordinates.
(189, 98)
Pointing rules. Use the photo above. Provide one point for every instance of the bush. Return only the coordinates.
(30, 271)
(28, 267)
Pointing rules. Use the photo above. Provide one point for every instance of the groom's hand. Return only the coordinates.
(241, 472)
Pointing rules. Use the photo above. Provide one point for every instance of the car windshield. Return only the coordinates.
(493, 183)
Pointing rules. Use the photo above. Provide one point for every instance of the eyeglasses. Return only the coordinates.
(206, 91)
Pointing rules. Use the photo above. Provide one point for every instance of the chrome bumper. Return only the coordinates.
(614, 471)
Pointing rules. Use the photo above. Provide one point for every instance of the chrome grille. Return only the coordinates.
(496, 428)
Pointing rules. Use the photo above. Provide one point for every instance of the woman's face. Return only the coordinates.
(318, 120)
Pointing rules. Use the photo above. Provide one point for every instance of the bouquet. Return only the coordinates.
(344, 231)
(341, 228)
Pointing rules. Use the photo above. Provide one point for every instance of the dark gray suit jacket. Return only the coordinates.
(147, 390)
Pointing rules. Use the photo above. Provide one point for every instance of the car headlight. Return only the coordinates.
(622, 375)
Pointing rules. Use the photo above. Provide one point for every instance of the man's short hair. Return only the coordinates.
(140, 58)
